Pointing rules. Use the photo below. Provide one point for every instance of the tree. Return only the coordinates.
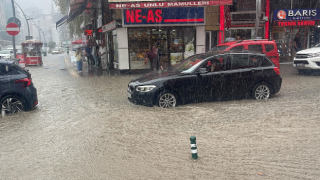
(51, 45)
(74, 26)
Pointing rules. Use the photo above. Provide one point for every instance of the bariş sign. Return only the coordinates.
(295, 23)
(296, 14)
(169, 4)
(13, 29)
(187, 15)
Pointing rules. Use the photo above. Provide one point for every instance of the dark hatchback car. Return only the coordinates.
(208, 77)
(17, 92)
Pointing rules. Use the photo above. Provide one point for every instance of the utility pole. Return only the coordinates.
(13, 37)
(258, 14)
(25, 18)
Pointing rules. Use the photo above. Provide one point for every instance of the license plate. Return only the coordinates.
(300, 65)
(129, 95)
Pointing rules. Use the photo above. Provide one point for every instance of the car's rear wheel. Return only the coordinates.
(12, 104)
(167, 100)
(261, 91)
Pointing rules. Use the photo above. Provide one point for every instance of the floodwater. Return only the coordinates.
(85, 128)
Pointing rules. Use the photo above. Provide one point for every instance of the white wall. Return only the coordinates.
(201, 39)
(123, 53)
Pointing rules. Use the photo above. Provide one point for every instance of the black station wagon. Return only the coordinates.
(208, 77)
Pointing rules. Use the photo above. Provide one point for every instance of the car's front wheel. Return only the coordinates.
(167, 100)
(261, 91)
(12, 104)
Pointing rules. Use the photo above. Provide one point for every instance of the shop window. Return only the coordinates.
(189, 36)
(139, 40)
(255, 48)
(269, 47)
(237, 49)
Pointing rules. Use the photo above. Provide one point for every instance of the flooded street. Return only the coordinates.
(85, 128)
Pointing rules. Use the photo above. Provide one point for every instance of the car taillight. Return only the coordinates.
(25, 82)
(276, 69)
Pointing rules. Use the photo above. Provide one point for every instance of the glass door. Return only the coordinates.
(139, 44)
(160, 40)
(176, 45)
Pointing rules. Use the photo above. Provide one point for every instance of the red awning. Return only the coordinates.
(79, 41)
(120, 4)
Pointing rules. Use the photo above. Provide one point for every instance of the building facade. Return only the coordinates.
(177, 29)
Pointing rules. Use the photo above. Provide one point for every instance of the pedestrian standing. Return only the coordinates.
(88, 53)
(94, 54)
(103, 55)
(153, 57)
(79, 60)
(297, 43)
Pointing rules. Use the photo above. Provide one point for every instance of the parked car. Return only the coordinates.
(18, 50)
(17, 92)
(268, 47)
(208, 77)
(6, 54)
(56, 51)
(307, 60)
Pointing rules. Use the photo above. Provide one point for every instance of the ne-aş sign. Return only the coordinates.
(163, 16)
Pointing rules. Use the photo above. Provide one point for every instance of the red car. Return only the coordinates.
(264, 46)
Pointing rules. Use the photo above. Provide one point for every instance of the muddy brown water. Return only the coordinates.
(85, 128)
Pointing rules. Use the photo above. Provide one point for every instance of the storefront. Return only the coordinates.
(240, 19)
(290, 22)
(177, 29)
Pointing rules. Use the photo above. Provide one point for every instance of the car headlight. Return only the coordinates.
(145, 88)
(316, 54)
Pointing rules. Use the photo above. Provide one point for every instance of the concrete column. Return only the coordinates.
(123, 52)
(201, 39)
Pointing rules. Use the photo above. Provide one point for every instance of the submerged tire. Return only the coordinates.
(261, 91)
(167, 100)
(12, 104)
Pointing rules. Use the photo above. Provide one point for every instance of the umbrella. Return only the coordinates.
(81, 47)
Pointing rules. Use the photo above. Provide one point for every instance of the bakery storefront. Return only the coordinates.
(173, 27)
(289, 22)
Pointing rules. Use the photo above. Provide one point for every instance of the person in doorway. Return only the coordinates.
(79, 60)
(103, 55)
(88, 54)
(297, 43)
(153, 57)
(94, 54)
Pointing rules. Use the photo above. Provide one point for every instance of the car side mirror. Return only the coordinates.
(202, 71)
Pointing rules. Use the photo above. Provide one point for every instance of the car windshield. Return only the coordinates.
(219, 48)
(4, 52)
(189, 64)
(318, 45)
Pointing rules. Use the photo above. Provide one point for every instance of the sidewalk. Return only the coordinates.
(91, 72)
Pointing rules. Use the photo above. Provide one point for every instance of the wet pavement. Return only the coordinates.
(85, 128)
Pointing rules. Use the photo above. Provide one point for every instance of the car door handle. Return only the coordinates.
(253, 70)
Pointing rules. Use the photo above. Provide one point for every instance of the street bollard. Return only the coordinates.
(3, 113)
(194, 151)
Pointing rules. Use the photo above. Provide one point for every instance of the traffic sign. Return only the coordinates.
(14, 20)
(13, 29)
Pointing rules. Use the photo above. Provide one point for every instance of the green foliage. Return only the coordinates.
(63, 5)
(51, 45)
(75, 24)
